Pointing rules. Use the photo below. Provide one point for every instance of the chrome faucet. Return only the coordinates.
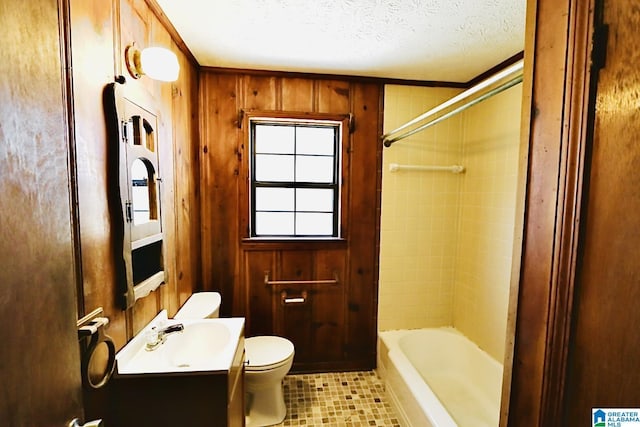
(156, 336)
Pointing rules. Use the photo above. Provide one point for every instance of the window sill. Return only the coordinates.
(257, 243)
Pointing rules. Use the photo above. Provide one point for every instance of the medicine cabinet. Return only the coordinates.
(134, 194)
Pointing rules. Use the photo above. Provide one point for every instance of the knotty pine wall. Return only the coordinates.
(236, 268)
(99, 32)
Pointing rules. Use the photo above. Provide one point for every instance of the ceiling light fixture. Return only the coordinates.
(157, 63)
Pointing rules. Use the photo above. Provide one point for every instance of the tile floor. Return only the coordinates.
(351, 399)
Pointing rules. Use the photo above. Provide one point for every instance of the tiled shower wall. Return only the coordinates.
(419, 215)
(446, 239)
(486, 220)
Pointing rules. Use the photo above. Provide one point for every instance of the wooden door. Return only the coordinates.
(605, 351)
(39, 359)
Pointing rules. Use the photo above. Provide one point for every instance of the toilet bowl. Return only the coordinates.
(268, 360)
(201, 305)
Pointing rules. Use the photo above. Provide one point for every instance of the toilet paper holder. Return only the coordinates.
(286, 299)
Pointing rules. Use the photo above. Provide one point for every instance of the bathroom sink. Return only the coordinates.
(203, 345)
(199, 343)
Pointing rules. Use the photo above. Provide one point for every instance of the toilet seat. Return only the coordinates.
(267, 352)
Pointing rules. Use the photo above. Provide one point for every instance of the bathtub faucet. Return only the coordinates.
(156, 336)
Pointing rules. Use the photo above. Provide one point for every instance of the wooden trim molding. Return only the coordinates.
(577, 111)
(341, 77)
(64, 16)
(558, 136)
(168, 25)
(493, 70)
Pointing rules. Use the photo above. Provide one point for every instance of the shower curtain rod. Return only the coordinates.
(513, 72)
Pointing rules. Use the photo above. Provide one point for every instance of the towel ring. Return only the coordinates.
(97, 339)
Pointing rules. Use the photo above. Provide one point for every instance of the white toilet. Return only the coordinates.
(268, 360)
(201, 305)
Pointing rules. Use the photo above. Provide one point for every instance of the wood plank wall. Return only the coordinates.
(100, 30)
(236, 268)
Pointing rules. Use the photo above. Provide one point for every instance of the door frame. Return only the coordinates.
(557, 128)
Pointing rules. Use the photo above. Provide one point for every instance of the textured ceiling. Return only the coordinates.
(441, 40)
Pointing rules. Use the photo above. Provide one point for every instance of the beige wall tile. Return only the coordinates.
(446, 239)
(419, 211)
(487, 217)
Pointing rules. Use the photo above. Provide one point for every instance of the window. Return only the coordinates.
(295, 178)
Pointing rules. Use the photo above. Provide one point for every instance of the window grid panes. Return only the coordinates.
(294, 179)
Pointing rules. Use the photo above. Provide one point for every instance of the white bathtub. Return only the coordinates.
(439, 378)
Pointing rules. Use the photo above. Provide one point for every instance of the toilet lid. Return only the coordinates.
(267, 351)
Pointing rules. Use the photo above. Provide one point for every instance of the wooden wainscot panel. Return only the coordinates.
(294, 319)
(330, 308)
(260, 307)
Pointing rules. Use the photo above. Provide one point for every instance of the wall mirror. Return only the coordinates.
(134, 194)
(143, 191)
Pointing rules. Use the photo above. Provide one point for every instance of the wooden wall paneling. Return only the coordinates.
(260, 305)
(295, 323)
(187, 185)
(168, 26)
(144, 310)
(135, 26)
(220, 159)
(93, 68)
(297, 94)
(138, 24)
(100, 31)
(296, 265)
(260, 93)
(95, 31)
(333, 96)
(329, 302)
(294, 320)
(224, 178)
(362, 282)
(163, 92)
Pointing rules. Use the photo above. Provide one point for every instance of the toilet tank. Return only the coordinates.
(201, 305)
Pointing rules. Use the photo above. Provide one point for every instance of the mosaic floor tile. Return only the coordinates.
(337, 399)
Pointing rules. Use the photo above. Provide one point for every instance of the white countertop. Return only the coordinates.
(134, 359)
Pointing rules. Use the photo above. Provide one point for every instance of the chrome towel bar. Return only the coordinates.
(333, 281)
